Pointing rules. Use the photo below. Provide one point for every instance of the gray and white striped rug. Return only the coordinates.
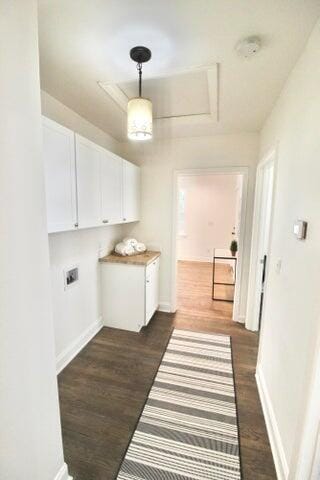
(188, 427)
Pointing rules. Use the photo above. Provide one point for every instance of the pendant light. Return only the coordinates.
(139, 108)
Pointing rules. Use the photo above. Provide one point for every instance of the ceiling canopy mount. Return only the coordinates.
(140, 54)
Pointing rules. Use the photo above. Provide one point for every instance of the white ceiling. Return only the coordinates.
(83, 42)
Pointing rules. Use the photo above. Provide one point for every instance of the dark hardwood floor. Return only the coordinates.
(103, 390)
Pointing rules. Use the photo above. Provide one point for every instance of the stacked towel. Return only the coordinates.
(124, 249)
(140, 247)
(130, 246)
(130, 241)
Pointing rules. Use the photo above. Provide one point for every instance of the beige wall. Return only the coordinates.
(159, 159)
(31, 444)
(291, 320)
(78, 309)
(210, 215)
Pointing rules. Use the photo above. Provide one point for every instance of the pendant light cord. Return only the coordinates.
(139, 68)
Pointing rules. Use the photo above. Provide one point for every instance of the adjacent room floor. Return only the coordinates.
(103, 390)
(194, 289)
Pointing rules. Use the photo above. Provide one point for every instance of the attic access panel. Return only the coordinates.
(178, 95)
(193, 94)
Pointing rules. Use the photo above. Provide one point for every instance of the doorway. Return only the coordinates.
(209, 214)
(261, 235)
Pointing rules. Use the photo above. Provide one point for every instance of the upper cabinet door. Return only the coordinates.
(60, 177)
(131, 192)
(111, 188)
(88, 156)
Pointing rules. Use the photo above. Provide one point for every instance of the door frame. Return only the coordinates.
(244, 172)
(254, 285)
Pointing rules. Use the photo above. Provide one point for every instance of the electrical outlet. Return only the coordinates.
(71, 276)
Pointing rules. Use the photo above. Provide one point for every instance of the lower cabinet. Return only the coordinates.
(130, 291)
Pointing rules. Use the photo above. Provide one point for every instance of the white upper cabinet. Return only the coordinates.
(131, 192)
(86, 185)
(88, 156)
(60, 179)
(111, 188)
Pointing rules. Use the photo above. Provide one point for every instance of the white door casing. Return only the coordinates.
(261, 235)
(241, 171)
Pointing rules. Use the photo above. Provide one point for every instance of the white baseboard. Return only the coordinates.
(63, 473)
(241, 319)
(279, 458)
(74, 348)
(164, 307)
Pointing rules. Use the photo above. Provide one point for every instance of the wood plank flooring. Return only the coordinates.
(194, 289)
(103, 390)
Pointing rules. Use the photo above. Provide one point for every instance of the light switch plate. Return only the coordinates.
(300, 229)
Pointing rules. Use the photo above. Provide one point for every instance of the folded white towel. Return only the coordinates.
(124, 249)
(140, 247)
(130, 241)
(130, 250)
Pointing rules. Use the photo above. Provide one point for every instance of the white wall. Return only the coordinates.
(210, 215)
(31, 445)
(158, 160)
(77, 310)
(291, 319)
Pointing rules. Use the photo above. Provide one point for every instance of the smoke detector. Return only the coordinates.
(248, 47)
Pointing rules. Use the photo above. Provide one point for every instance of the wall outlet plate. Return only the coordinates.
(71, 276)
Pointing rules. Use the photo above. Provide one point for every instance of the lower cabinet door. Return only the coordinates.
(152, 289)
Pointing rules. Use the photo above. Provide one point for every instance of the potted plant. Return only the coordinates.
(234, 247)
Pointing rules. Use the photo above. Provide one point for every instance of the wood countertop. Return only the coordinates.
(139, 259)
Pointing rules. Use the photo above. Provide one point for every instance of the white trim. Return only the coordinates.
(279, 457)
(242, 319)
(63, 473)
(74, 348)
(164, 307)
(252, 320)
(244, 171)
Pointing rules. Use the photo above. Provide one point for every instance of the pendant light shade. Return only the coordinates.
(139, 108)
(139, 119)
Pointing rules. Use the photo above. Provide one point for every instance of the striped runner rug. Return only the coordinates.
(188, 427)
